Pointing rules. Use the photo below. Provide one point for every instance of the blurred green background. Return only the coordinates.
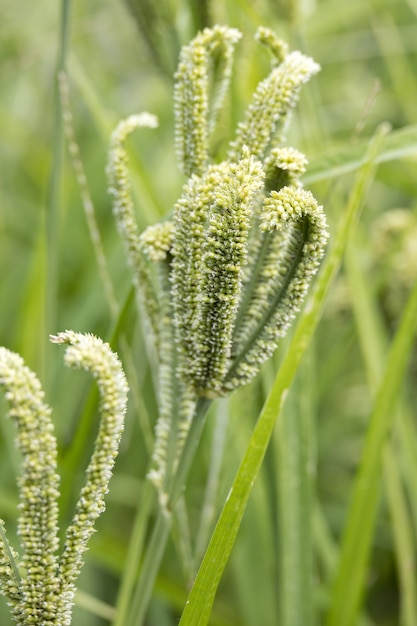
(120, 61)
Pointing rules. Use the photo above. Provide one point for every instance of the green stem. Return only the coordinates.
(208, 509)
(150, 567)
(190, 447)
(53, 192)
(162, 527)
(134, 554)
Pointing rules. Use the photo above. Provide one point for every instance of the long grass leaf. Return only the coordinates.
(336, 162)
(53, 202)
(94, 606)
(403, 538)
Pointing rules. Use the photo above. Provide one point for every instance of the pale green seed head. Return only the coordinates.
(201, 82)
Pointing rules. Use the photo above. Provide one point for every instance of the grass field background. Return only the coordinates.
(318, 533)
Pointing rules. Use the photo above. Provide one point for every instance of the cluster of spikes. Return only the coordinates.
(223, 279)
(39, 583)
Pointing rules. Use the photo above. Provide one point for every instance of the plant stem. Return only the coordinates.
(150, 567)
(208, 510)
(190, 447)
(53, 203)
(134, 554)
(162, 527)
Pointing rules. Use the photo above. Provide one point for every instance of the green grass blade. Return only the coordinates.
(53, 200)
(94, 606)
(356, 544)
(201, 598)
(336, 162)
(407, 435)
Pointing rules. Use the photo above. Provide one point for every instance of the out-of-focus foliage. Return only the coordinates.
(50, 281)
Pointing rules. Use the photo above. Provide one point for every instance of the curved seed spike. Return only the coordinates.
(283, 168)
(275, 97)
(201, 81)
(209, 255)
(156, 241)
(90, 353)
(278, 47)
(296, 231)
(124, 212)
(36, 601)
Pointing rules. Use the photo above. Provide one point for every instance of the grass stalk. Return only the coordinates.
(162, 527)
(134, 554)
(181, 536)
(53, 202)
(407, 439)
(208, 509)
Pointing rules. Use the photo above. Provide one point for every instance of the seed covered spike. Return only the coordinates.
(284, 167)
(277, 46)
(201, 81)
(215, 249)
(296, 227)
(268, 114)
